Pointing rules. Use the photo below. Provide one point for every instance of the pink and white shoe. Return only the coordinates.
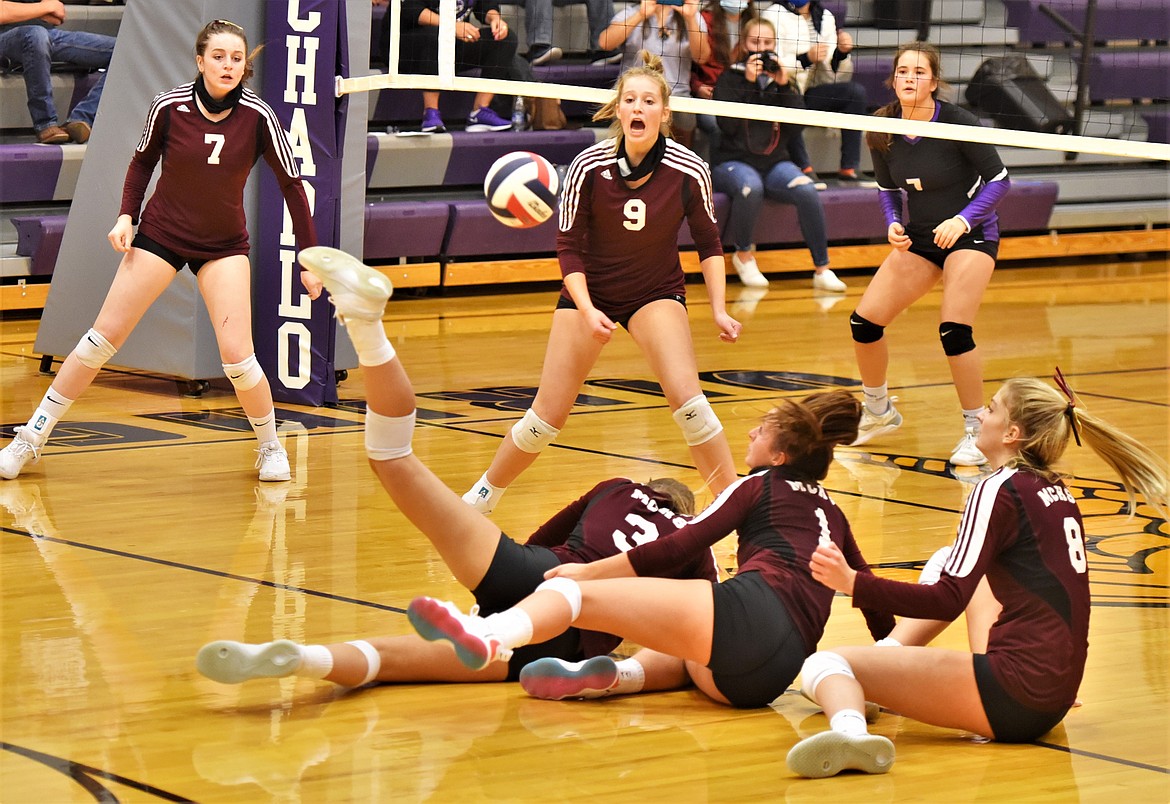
(555, 679)
(475, 645)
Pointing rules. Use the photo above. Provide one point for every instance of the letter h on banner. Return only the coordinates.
(295, 340)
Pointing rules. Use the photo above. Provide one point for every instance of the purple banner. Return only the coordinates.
(304, 43)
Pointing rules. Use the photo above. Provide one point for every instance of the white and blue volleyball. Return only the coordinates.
(521, 189)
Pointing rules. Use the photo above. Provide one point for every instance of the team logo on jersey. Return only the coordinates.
(605, 174)
(182, 107)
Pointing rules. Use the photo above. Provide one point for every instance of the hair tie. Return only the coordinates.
(1062, 384)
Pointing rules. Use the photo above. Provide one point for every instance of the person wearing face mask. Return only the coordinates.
(816, 53)
(623, 202)
(724, 19)
(208, 133)
(753, 159)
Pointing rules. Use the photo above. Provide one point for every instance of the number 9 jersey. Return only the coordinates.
(625, 240)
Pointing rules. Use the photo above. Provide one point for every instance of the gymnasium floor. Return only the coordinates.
(144, 533)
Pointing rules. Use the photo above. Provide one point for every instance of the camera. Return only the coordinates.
(769, 61)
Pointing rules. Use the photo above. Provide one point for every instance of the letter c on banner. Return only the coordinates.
(305, 25)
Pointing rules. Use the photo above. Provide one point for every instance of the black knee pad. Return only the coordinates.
(956, 338)
(865, 331)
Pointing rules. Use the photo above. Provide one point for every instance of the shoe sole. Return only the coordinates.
(280, 478)
(865, 438)
(477, 128)
(346, 272)
(550, 680)
(227, 662)
(830, 752)
(433, 622)
(552, 54)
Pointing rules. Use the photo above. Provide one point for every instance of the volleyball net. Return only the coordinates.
(980, 75)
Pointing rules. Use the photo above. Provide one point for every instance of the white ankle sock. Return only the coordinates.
(971, 418)
(631, 677)
(849, 721)
(887, 642)
(265, 427)
(877, 398)
(316, 661)
(370, 341)
(52, 409)
(513, 627)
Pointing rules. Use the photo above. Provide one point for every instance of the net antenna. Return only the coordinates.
(447, 80)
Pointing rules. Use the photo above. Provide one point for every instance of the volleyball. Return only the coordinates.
(521, 189)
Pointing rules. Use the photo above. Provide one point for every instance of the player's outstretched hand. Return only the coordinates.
(599, 325)
(312, 283)
(729, 328)
(829, 567)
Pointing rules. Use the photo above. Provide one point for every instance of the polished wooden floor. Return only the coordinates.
(143, 534)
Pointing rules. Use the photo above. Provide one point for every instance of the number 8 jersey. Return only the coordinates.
(625, 240)
(197, 209)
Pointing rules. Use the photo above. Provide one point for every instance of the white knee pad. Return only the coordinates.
(93, 350)
(567, 588)
(388, 437)
(697, 421)
(820, 666)
(373, 660)
(532, 434)
(246, 374)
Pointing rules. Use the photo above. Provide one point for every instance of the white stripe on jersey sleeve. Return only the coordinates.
(687, 161)
(973, 527)
(162, 99)
(275, 131)
(595, 156)
(721, 499)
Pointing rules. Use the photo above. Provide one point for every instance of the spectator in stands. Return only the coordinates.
(674, 33)
(724, 19)
(538, 27)
(30, 37)
(949, 227)
(208, 134)
(491, 48)
(816, 53)
(753, 161)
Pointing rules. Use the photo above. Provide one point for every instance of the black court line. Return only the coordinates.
(206, 571)
(84, 775)
(1104, 757)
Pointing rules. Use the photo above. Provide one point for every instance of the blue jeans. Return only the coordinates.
(538, 19)
(36, 47)
(747, 189)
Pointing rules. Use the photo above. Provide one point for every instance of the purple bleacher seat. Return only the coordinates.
(405, 229)
(39, 237)
(30, 172)
(1158, 121)
(871, 70)
(722, 205)
(850, 214)
(603, 76)
(1116, 19)
(472, 155)
(475, 233)
(1028, 206)
(1127, 74)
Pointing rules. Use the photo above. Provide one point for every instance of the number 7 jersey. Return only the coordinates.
(197, 208)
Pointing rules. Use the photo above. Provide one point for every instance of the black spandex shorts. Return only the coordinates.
(564, 303)
(1011, 721)
(515, 571)
(922, 244)
(756, 651)
(173, 258)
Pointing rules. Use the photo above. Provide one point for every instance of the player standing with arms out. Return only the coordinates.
(741, 641)
(613, 516)
(208, 134)
(951, 233)
(1022, 530)
(623, 203)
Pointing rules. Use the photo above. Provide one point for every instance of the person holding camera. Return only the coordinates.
(752, 161)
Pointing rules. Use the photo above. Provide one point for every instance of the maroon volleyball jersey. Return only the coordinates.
(781, 520)
(1025, 534)
(613, 517)
(197, 209)
(626, 241)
